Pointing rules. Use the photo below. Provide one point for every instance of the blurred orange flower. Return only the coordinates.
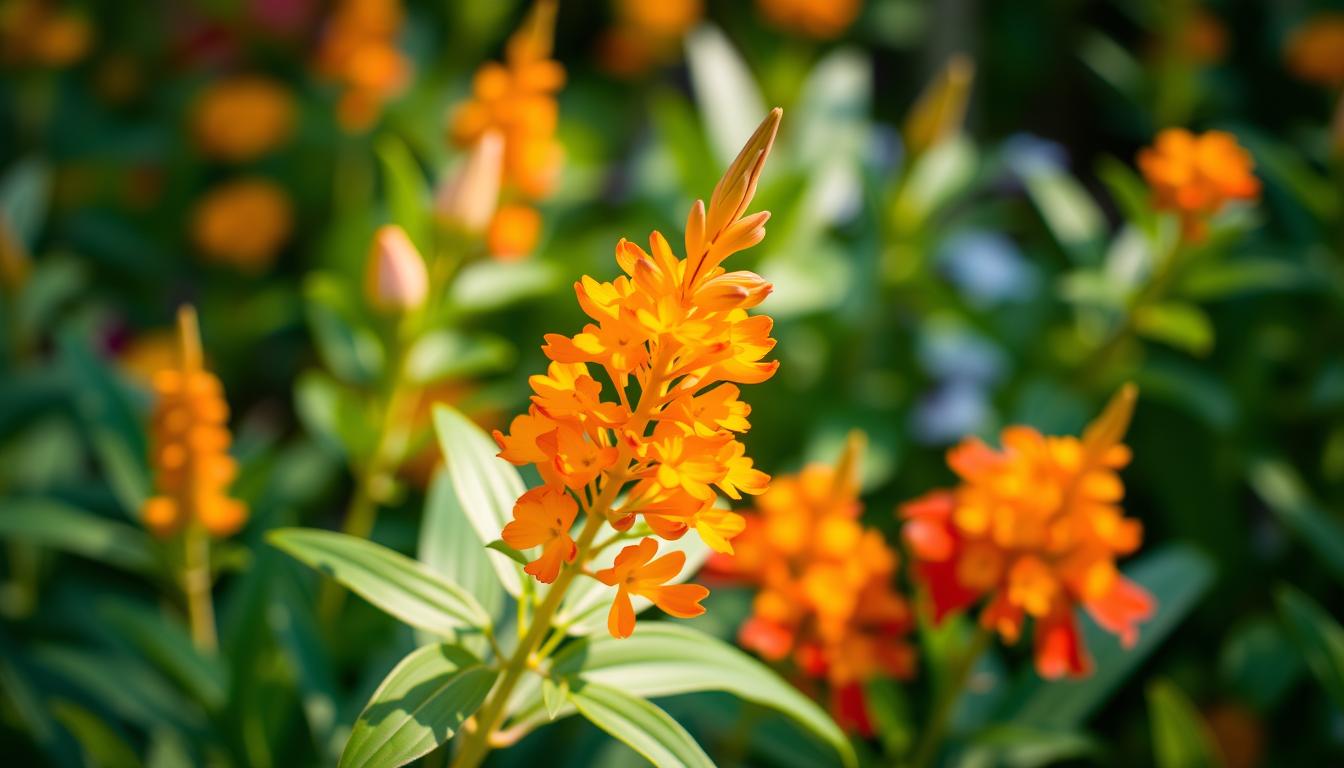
(1315, 51)
(359, 52)
(517, 99)
(35, 32)
(1036, 528)
(243, 223)
(1196, 175)
(827, 597)
(190, 444)
(1204, 37)
(513, 231)
(646, 32)
(821, 19)
(664, 452)
(241, 118)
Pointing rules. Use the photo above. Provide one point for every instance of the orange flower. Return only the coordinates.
(35, 32)
(1035, 528)
(517, 99)
(190, 443)
(359, 53)
(821, 19)
(673, 342)
(826, 596)
(542, 518)
(243, 223)
(634, 574)
(1315, 51)
(242, 118)
(1195, 176)
(646, 32)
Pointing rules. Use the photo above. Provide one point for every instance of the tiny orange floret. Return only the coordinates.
(542, 518)
(635, 572)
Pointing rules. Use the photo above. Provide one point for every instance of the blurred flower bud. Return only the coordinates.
(14, 261)
(467, 198)
(940, 110)
(395, 279)
(513, 232)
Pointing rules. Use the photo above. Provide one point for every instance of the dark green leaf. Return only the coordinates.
(51, 523)
(1319, 637)
(168, 646)
(1180, 738)
(1285, 495)
(406, 190)
(103, 746)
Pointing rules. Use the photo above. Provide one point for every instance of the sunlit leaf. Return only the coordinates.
(422, 702)
(1180, 738)
(1181, 325)
(103, 747)
(642, 726)
(394, 583)
(449, 546)
(406, 190)
(729, 100)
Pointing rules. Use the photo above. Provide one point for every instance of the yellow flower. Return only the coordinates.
(243, 223)
(243, 117)
(664, 445)
(189, 445)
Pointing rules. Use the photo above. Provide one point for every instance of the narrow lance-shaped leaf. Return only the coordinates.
(421, 703)
(1180, 738)
(1319, 637)
(640, 725)
(394, 583)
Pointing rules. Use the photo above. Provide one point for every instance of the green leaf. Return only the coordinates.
(450, 354)
(1181, 325)
(103, 747)
(407, 192)
(421, 703)
(449, 546)
(1069, 213)
(730, 102)
(54, 282)
(1180, 738)
(486, 485)
(1015, 746)
(554, 694)
(348, 346)
(1226, 279)
(1259, 663)
(642, 726)
(1319, 637)
(394, 583)
(499, 546)
(1177, 576)
(1129, 191)
(168, 646)
(122, 685)
(667, 659)
(54, 524)
(334, 413)
(291, 617)
(113, 424)
(24, 192)
(1282, 490)
(488, 285)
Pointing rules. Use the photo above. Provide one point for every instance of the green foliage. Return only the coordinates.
(1180, 739)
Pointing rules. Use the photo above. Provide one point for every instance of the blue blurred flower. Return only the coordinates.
(950, 412)
(955, 354)
(987, 268)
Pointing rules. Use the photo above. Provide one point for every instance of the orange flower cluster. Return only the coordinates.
(646, 33)
(1315, 51)
(359, 52)
(34, 32)
(1195, 176)
(190, 445)
(820, 19)
(243, 223)
(517, 99)
(827, 596)
(1036, 528)
(242, 118)
(674, 339)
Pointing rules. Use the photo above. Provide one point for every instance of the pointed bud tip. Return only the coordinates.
(395, 279)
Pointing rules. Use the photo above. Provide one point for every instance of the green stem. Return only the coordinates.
(476, 743)
(196, 584)
(931, 740)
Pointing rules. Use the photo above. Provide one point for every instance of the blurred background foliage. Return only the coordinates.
(1007, 269)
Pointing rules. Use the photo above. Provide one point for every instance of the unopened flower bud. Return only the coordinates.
(467, 198)
(941, 108)
(395, 279)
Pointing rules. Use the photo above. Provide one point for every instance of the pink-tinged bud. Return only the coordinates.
(467, 198)
(394, 278)
(733, 290)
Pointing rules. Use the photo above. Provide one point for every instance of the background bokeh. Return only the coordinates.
(999, 276)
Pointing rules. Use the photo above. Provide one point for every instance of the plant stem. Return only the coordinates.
(477, 742)
(196, 584)
(945, 702)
